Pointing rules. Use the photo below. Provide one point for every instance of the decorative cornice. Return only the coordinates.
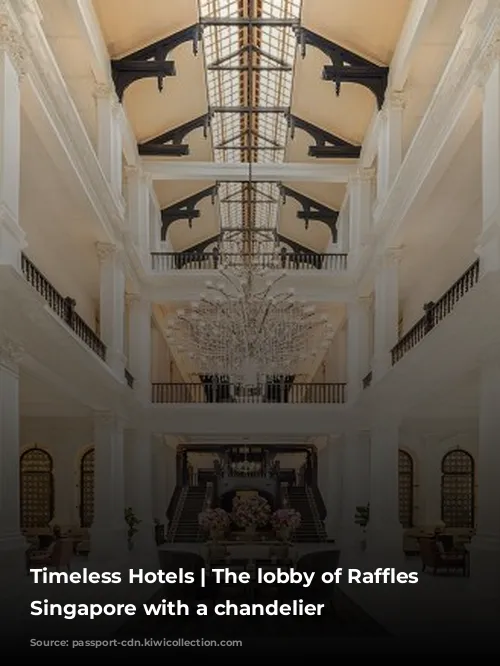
(105, 250)
(11, 352)
(11, 41)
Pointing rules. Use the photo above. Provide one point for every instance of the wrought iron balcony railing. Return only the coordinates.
(182, 393)
(169, 261)
(64, 307)
(436, 312)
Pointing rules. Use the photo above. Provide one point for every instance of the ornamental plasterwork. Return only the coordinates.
(11, 42)
(11, 353)
(105, 250)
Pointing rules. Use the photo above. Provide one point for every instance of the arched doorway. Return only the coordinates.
(457, 489)
(37, 488)
(87, 488)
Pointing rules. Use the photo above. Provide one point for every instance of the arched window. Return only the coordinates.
(37, 489)
(457, 489)
(87, 488)
(405, 489)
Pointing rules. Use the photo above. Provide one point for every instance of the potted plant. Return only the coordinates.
(285, 522)
(132, 524)
(215, 522)
(250, 512)
(362, 518)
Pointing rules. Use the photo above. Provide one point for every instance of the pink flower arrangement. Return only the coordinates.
(250, 510)
(286, 519)
(214, 520)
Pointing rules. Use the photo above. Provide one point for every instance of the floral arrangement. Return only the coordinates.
(132, 524)
(252, 510)
(286, 519)
(214, 520)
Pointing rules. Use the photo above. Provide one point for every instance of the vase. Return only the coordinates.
(284, 533)
(216, 534)
(250, 532)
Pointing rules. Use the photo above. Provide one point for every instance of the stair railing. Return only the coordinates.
(318, 523)
(172, 530)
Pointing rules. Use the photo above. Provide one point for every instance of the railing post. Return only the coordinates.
(69, 310)
(429, 316)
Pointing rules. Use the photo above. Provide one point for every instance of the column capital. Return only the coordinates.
(132, 299)
(105, 250)
(396, 99)
(363, 175)
(489, 57)
(104, 91)
(11, 352)
(11, 42)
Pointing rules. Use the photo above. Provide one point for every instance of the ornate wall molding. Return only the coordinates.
(11, 42)
(11, 352)
(105, 250)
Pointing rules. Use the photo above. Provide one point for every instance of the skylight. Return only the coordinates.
(249, 48)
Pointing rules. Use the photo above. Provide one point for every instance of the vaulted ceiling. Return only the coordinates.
(273, 54)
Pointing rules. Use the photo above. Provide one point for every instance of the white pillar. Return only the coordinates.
(12, 239)
(161, 490)
(12, 544)
(144, 546)
(109, 138)
(109, 530)
(333, 499)
(112, 306)
(139, 209)
(360, 209)
(385, 534)
(485, 556)
(390, 145)
(489, 241)
(140, 346)
(386, 312)
(355, 488)
(358, 345)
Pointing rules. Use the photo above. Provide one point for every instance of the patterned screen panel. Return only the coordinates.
(405, 489)
(37, 489)
(87, 488)
(457, 489)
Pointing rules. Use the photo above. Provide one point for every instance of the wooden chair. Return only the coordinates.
(434, 558)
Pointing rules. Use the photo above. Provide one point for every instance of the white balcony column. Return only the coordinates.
(485, 549)
(386, 311)
(385, 533)
(358, 345)
(360, 209)
(109, 137)
(112, 306)
(12, 543)
(143, 542)
(355, 489)
(333, 499)
(390, 144)
(12, 68)
(109, 530)
(489, 241)
(138, 200)
(140, 345)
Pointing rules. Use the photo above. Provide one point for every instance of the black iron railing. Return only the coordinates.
(169, 261)
(436, 312)
(129, 378)
(181, 393)
(64, 307)
(367, 381)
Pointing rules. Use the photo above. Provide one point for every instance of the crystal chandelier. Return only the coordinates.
(245, 329)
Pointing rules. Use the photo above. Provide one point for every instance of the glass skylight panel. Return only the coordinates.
(249, 69)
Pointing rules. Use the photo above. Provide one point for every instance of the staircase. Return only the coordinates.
(311, 527)
(185, 527)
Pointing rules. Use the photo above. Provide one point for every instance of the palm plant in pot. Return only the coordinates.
(132, 524)
(362, 518)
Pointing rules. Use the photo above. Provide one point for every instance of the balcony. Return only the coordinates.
(227, 393)
(436, 312)
(163, 262)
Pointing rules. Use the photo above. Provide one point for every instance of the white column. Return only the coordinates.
(12, 239)
(109, 138)
(333, 499)
(390, 145)
(144, 546)
(140, 345)
(485, 555)
(109, 530)
(489, 241)
(355, 488)
(360, 209)
(385, 534)
(386, 311)
(138, 199)
(12, 543)
(358, 345)
(161, 490)
(112, 306)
